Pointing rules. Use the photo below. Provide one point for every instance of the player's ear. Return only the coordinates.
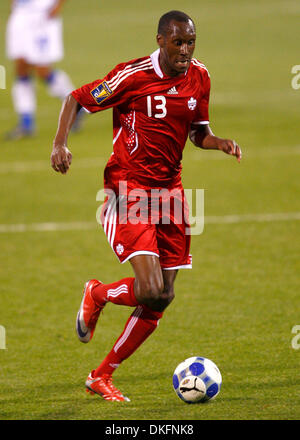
(160, 40)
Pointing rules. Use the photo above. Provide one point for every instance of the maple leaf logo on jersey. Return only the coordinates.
(101, 92)
(192, 103)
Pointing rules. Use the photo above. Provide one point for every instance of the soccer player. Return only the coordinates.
(158, 101)
(34, 41)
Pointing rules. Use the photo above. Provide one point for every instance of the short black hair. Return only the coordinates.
(165, 20)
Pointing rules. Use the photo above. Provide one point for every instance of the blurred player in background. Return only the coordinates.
(34, 41)
(158, 101)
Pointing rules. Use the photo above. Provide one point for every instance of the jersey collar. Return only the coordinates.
(155, 61)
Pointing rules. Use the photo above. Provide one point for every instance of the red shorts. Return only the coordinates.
(149, 222)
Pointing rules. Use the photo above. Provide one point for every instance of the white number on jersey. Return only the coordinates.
(160, 106)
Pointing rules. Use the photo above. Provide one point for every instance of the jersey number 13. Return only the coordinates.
(159, 106)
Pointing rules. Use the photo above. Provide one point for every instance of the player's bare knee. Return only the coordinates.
(168, 295)
(148, 291)
(160, 302)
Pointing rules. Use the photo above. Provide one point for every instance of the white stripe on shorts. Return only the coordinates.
(110, 221)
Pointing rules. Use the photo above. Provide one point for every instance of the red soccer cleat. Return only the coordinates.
(104, 387)
(88, 313)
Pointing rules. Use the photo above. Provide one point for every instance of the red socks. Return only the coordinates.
(138, 328)
(121, 292)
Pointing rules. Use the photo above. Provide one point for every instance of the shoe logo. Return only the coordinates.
(172, 91)
(80, 331)
(192, 103)
(120, 249)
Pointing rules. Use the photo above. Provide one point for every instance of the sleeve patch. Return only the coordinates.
(101, 92)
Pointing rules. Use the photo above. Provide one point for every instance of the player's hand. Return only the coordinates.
(230, 147)
(61, 159)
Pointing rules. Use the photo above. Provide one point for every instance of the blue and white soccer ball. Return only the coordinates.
(197, 379)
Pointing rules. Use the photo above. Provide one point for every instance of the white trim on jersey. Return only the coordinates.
(197, 63)
(155, 62)
(127, 71)
(136, 136)
(201, 122)
(86, 110)
(117, 135)
(136, 144)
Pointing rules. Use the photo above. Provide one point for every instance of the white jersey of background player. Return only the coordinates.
(34, 41)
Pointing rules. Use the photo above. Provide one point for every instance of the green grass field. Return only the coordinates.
(241, 300)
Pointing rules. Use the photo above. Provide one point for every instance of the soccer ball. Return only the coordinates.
(191, 389)
(197, 379)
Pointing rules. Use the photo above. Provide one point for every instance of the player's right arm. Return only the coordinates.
(61, 156)
(113, 90)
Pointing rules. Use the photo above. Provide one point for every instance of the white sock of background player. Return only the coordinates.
(24, 102)
(59, 84)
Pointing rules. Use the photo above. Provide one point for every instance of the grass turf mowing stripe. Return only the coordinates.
(222, 219)
(94, 162)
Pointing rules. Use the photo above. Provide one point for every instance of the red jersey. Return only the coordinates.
(152, 115)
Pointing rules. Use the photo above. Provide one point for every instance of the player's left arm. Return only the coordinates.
(55, 11)
(203, 137)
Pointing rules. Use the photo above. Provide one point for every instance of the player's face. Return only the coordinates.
(177, 47)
